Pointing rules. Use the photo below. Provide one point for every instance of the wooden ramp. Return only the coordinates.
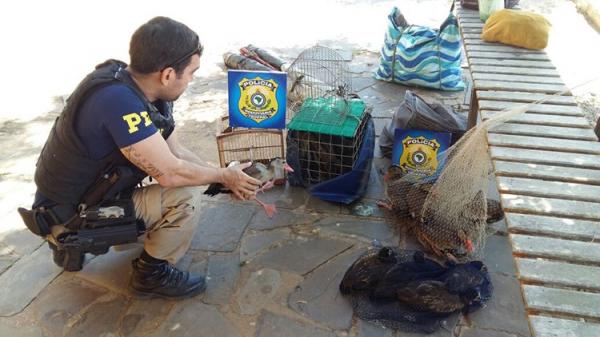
(547, 167)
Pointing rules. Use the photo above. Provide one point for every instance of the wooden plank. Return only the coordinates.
(464, 20)
(525, 97)
(562, 301)
(534, 108)
(551, 144)
(555, 327)
(546, 206)
(542, 119)
(512, 63)
(584, 230)
(516, 78)
(549, 189)
(508, 55)
(500, 48)
(548, 172)
(546, 157)
(545, 131)
(472, 25)
(471, 15)
(479, 41)
(514, 71)
(569, 250)
(519, 86)
(471, 30)
(559, 273)
(471, 35)
(466, 12)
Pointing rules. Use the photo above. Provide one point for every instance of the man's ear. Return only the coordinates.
(166, 75)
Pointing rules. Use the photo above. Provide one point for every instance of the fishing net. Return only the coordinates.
(449, 204)
(403, 289)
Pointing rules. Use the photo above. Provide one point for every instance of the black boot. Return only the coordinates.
(163, 279)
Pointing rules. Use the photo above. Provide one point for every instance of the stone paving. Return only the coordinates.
(266, 277)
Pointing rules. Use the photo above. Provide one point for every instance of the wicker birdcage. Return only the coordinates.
(243, 144)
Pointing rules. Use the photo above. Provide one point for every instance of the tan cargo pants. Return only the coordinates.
(171, 218)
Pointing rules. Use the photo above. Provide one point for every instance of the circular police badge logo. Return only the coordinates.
(258, 100)
(419, 157)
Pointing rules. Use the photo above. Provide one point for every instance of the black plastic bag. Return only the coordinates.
(415, 113)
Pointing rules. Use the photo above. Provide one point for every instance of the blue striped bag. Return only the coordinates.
(422, 56)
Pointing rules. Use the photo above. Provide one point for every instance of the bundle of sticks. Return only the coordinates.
(254, 58)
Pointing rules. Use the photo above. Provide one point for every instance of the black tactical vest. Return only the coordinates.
(65, 171)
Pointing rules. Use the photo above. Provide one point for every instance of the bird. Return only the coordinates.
(405, 199)
(271, 175)
(494, 211)
(430, 296)
(274, 173)
(416, 268)
(366, 272)
(418, 283)
(395, 190)
(472, 281)
(453, 240)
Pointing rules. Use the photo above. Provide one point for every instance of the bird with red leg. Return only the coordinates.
(269, 176)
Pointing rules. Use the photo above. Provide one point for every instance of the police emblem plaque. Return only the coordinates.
(419, 151)
(257, 99)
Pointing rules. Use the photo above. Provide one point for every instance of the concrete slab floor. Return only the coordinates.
(285, 259)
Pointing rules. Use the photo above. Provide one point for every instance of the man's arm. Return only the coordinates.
(182, 152)
(153, 155)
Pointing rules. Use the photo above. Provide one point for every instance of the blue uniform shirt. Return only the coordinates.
(112, 117)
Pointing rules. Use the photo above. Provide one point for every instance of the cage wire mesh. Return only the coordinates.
(320, 72)
(327, 120)
(450, 207)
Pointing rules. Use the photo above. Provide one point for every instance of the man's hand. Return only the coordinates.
(242, 185)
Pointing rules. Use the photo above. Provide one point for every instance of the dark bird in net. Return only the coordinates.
(406, 196)
(403, 289)
(366, 272)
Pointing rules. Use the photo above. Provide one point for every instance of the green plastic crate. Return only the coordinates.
(327, 150)
(330, 115)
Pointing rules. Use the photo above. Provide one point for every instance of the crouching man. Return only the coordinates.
(116, 129)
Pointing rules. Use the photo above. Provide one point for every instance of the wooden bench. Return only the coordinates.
(547, 167)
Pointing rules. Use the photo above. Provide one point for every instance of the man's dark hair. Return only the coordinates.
(163, 42)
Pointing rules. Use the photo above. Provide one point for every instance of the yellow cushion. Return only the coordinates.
(517, 28)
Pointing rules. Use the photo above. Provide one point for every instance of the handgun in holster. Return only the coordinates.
(90, 229)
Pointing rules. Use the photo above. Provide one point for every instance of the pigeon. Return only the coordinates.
(271, 175)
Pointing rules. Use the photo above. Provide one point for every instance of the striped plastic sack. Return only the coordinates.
(422, 56)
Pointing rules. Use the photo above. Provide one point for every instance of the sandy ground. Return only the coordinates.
(49, 46)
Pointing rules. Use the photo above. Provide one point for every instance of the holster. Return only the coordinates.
(38, 221)
(100, 227)
(108, 224)
(109, 221)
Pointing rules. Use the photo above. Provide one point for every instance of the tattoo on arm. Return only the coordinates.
(137, 159)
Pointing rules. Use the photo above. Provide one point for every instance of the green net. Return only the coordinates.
(329, 115)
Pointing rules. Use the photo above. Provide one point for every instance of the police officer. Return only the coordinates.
(120, 116)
